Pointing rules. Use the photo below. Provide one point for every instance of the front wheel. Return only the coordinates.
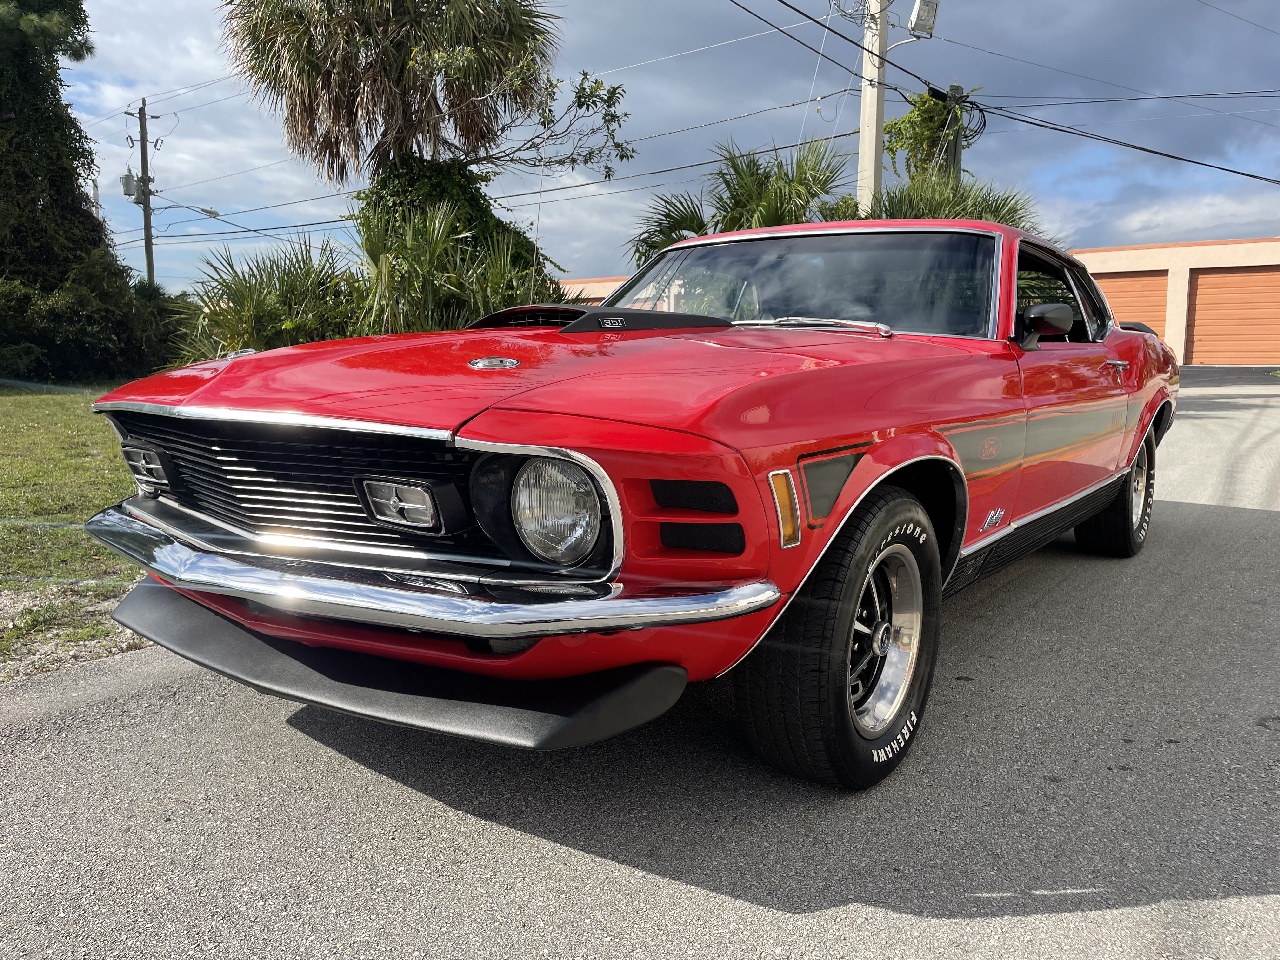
(836, 691)
(1120, 530)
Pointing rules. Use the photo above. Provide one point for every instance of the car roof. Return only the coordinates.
(849, 226)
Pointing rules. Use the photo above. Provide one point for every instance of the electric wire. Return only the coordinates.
(741, 116)
(1251, 23)
(672, 56)
(1080, 76)
(1045, 124)
(683, 166)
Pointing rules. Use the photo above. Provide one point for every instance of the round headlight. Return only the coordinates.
(555, 510)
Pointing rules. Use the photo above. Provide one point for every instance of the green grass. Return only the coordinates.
(59, 464)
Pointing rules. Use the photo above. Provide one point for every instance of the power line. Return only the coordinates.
(886, 60)
(651, 173)
(1085, 101)
(792, 36)
(264, 231)
(209, 103)
(1036, 122)
(607, 193)
(263, 166)
(1080, 76)
(156, 98)
(710, 46)
(1063, 128)
(1238, 17)
(1180, 116)
(741, 116)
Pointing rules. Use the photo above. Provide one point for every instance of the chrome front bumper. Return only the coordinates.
(302, 590)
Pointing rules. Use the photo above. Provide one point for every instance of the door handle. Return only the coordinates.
(1119, 364)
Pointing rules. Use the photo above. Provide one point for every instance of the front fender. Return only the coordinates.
(790, 568)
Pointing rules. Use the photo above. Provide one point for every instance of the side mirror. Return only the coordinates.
(1045, 320)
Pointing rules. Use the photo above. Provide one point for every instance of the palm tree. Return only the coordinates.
(361, 82)
(942, 197)
(748, 190)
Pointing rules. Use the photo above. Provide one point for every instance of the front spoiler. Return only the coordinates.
(534, 714)
(417, 608)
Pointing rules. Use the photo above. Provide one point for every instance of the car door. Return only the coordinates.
(1073, 390)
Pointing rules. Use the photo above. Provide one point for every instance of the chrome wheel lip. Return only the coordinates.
(891, 673)
(1138, 483)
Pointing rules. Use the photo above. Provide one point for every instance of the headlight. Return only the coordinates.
(555, 510)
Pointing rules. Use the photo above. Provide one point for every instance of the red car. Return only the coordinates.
(773, 452)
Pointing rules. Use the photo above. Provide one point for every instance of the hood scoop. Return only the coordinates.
(570, 319)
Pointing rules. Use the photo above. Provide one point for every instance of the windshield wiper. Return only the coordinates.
(883, 329)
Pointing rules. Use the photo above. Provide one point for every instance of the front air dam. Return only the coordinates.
(534, 714)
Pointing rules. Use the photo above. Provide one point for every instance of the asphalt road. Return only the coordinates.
(1098, 776)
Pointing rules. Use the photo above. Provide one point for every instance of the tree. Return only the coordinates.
(926, 131)
(68, 308)
(47, 225)
(362, 84)
(748, 190)
(944, 198)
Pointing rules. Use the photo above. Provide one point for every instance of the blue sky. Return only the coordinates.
(222, 151)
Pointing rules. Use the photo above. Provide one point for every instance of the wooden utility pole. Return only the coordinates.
(144, 186)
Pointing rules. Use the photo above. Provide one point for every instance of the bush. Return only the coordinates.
(98, 324)
(288, 294)
(414, 268)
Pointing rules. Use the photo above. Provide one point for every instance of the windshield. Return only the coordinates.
(915, 282)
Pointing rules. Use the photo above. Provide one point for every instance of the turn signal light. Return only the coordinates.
(784, 496)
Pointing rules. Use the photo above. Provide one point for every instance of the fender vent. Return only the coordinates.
(709, 496)
(710, 537)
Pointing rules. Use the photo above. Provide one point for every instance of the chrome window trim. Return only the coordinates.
(996, 267)
(1070, 266)
(964, 525)
(283, 418)
(438, 612)
(594, 469)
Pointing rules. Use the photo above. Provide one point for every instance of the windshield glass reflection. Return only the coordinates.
(938, 283)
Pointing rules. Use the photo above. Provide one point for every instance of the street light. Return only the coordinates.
(923, 16)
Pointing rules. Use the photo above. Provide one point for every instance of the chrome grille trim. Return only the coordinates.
(296, 485)
(278, 417)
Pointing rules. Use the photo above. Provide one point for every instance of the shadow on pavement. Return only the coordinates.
(1102, 733)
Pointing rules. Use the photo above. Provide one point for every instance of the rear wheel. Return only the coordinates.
(836, 691)
(1121, 529)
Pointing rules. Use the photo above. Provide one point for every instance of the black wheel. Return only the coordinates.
(836, 691)
(1120, 530)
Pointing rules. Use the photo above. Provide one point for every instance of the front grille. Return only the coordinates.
(300, 481)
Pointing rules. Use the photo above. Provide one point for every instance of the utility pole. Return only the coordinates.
(955, 125)
(143, 189)
(871, 131)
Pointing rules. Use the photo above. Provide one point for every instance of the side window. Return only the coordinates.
(1042, 281)
(1094, 306)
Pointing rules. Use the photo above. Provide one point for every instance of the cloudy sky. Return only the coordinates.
(221, 151)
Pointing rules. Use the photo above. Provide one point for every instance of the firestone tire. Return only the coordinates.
(1120, 530)
(836, 691)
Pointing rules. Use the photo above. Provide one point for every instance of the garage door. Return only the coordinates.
(1137, 297)
(1235, 316)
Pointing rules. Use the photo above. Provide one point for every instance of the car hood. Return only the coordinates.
(658, 377)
